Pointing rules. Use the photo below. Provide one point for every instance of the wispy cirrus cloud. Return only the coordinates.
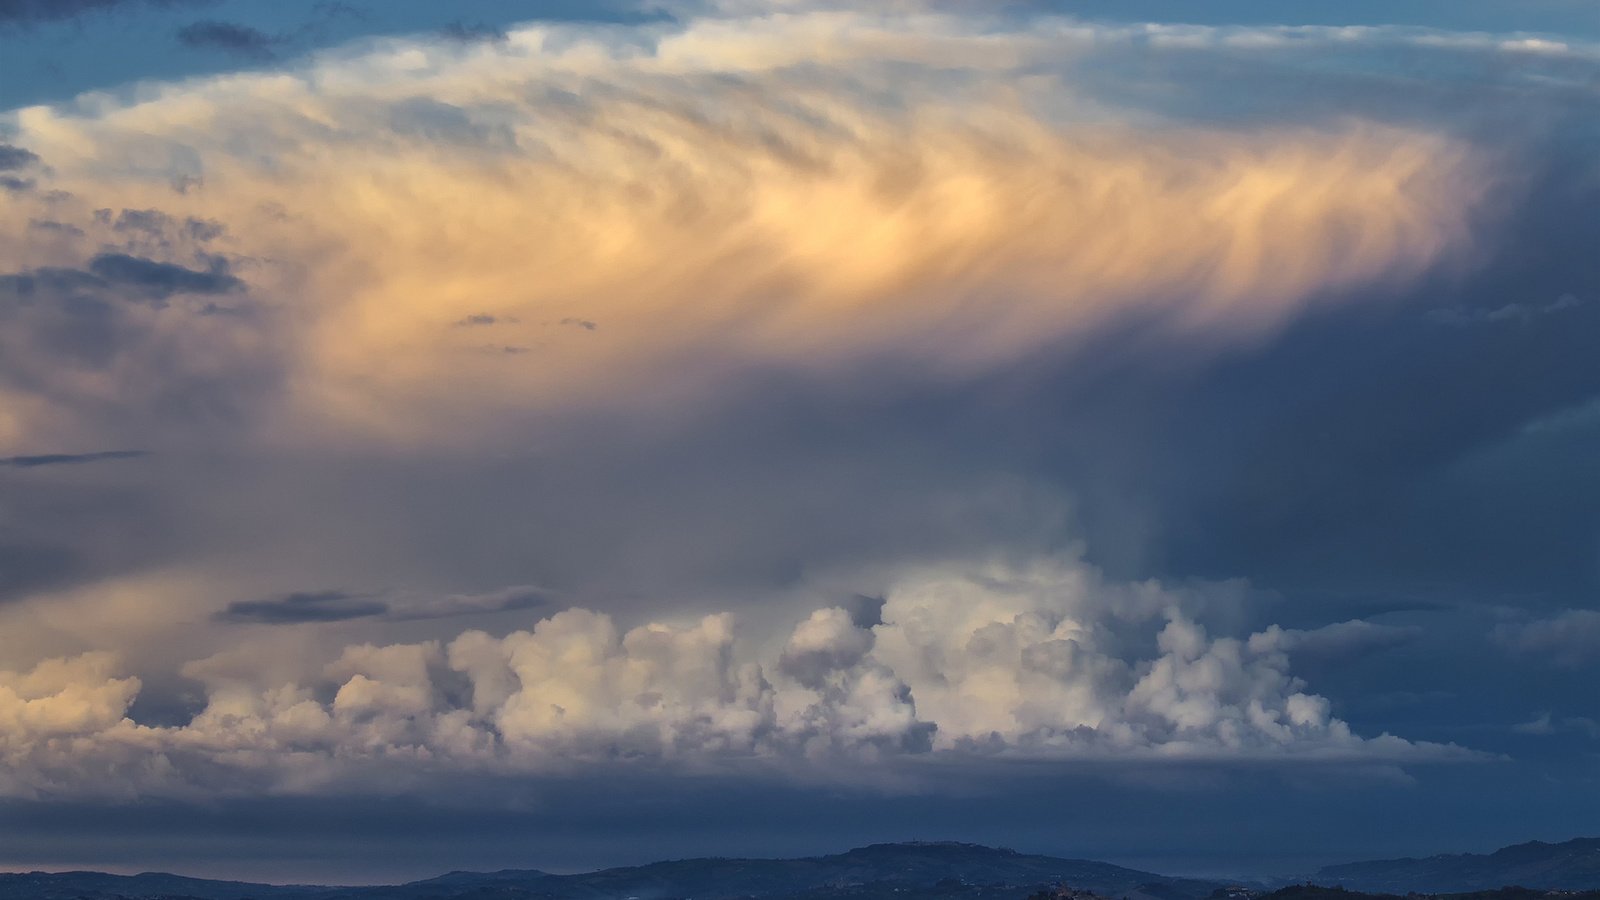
(751, 214)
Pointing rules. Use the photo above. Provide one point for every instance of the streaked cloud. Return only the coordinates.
(719, 204)
(68, 459)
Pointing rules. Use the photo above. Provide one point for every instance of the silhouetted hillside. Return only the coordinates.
(1573, 866)
(899, 871)
(914, 871)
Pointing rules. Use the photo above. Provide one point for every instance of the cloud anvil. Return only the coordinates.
(901, 405)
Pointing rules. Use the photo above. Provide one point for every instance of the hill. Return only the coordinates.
(957, 871)
(1572, 866)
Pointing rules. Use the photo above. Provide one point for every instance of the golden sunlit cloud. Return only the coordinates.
(436, 238)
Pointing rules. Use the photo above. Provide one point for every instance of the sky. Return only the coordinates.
(568, 434)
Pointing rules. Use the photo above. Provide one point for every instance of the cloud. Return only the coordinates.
(462, 31)
(1510, 312)
(13, 158)
(311, 606)
(304, 607)
(230, 37)
(1545, 725)
(510, 599)
(1336, 641)
(722, 204)
(159, 280)
(906, 284)
(1045, 661)
(68, 459)
(1570, 638)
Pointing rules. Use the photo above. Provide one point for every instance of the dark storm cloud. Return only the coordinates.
(69, 459)
(297, 608)
(230, 37)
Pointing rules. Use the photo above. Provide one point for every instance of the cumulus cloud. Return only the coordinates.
(1047, 661)
(1570, 638)
(818, 193)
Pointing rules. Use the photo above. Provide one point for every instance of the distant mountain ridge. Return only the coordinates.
(909, 871)
(959, 871)
(1571, 865)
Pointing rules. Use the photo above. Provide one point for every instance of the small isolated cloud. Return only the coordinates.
(1539, 725)
(68, 459)
(585, 324)
(1545, 724)
(229, 37)
(1510, 312)
(301, 607)
(478, 320)
(1570, 639)
(1336, 641)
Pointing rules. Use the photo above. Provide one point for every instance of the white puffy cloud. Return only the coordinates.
(1047, 661)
